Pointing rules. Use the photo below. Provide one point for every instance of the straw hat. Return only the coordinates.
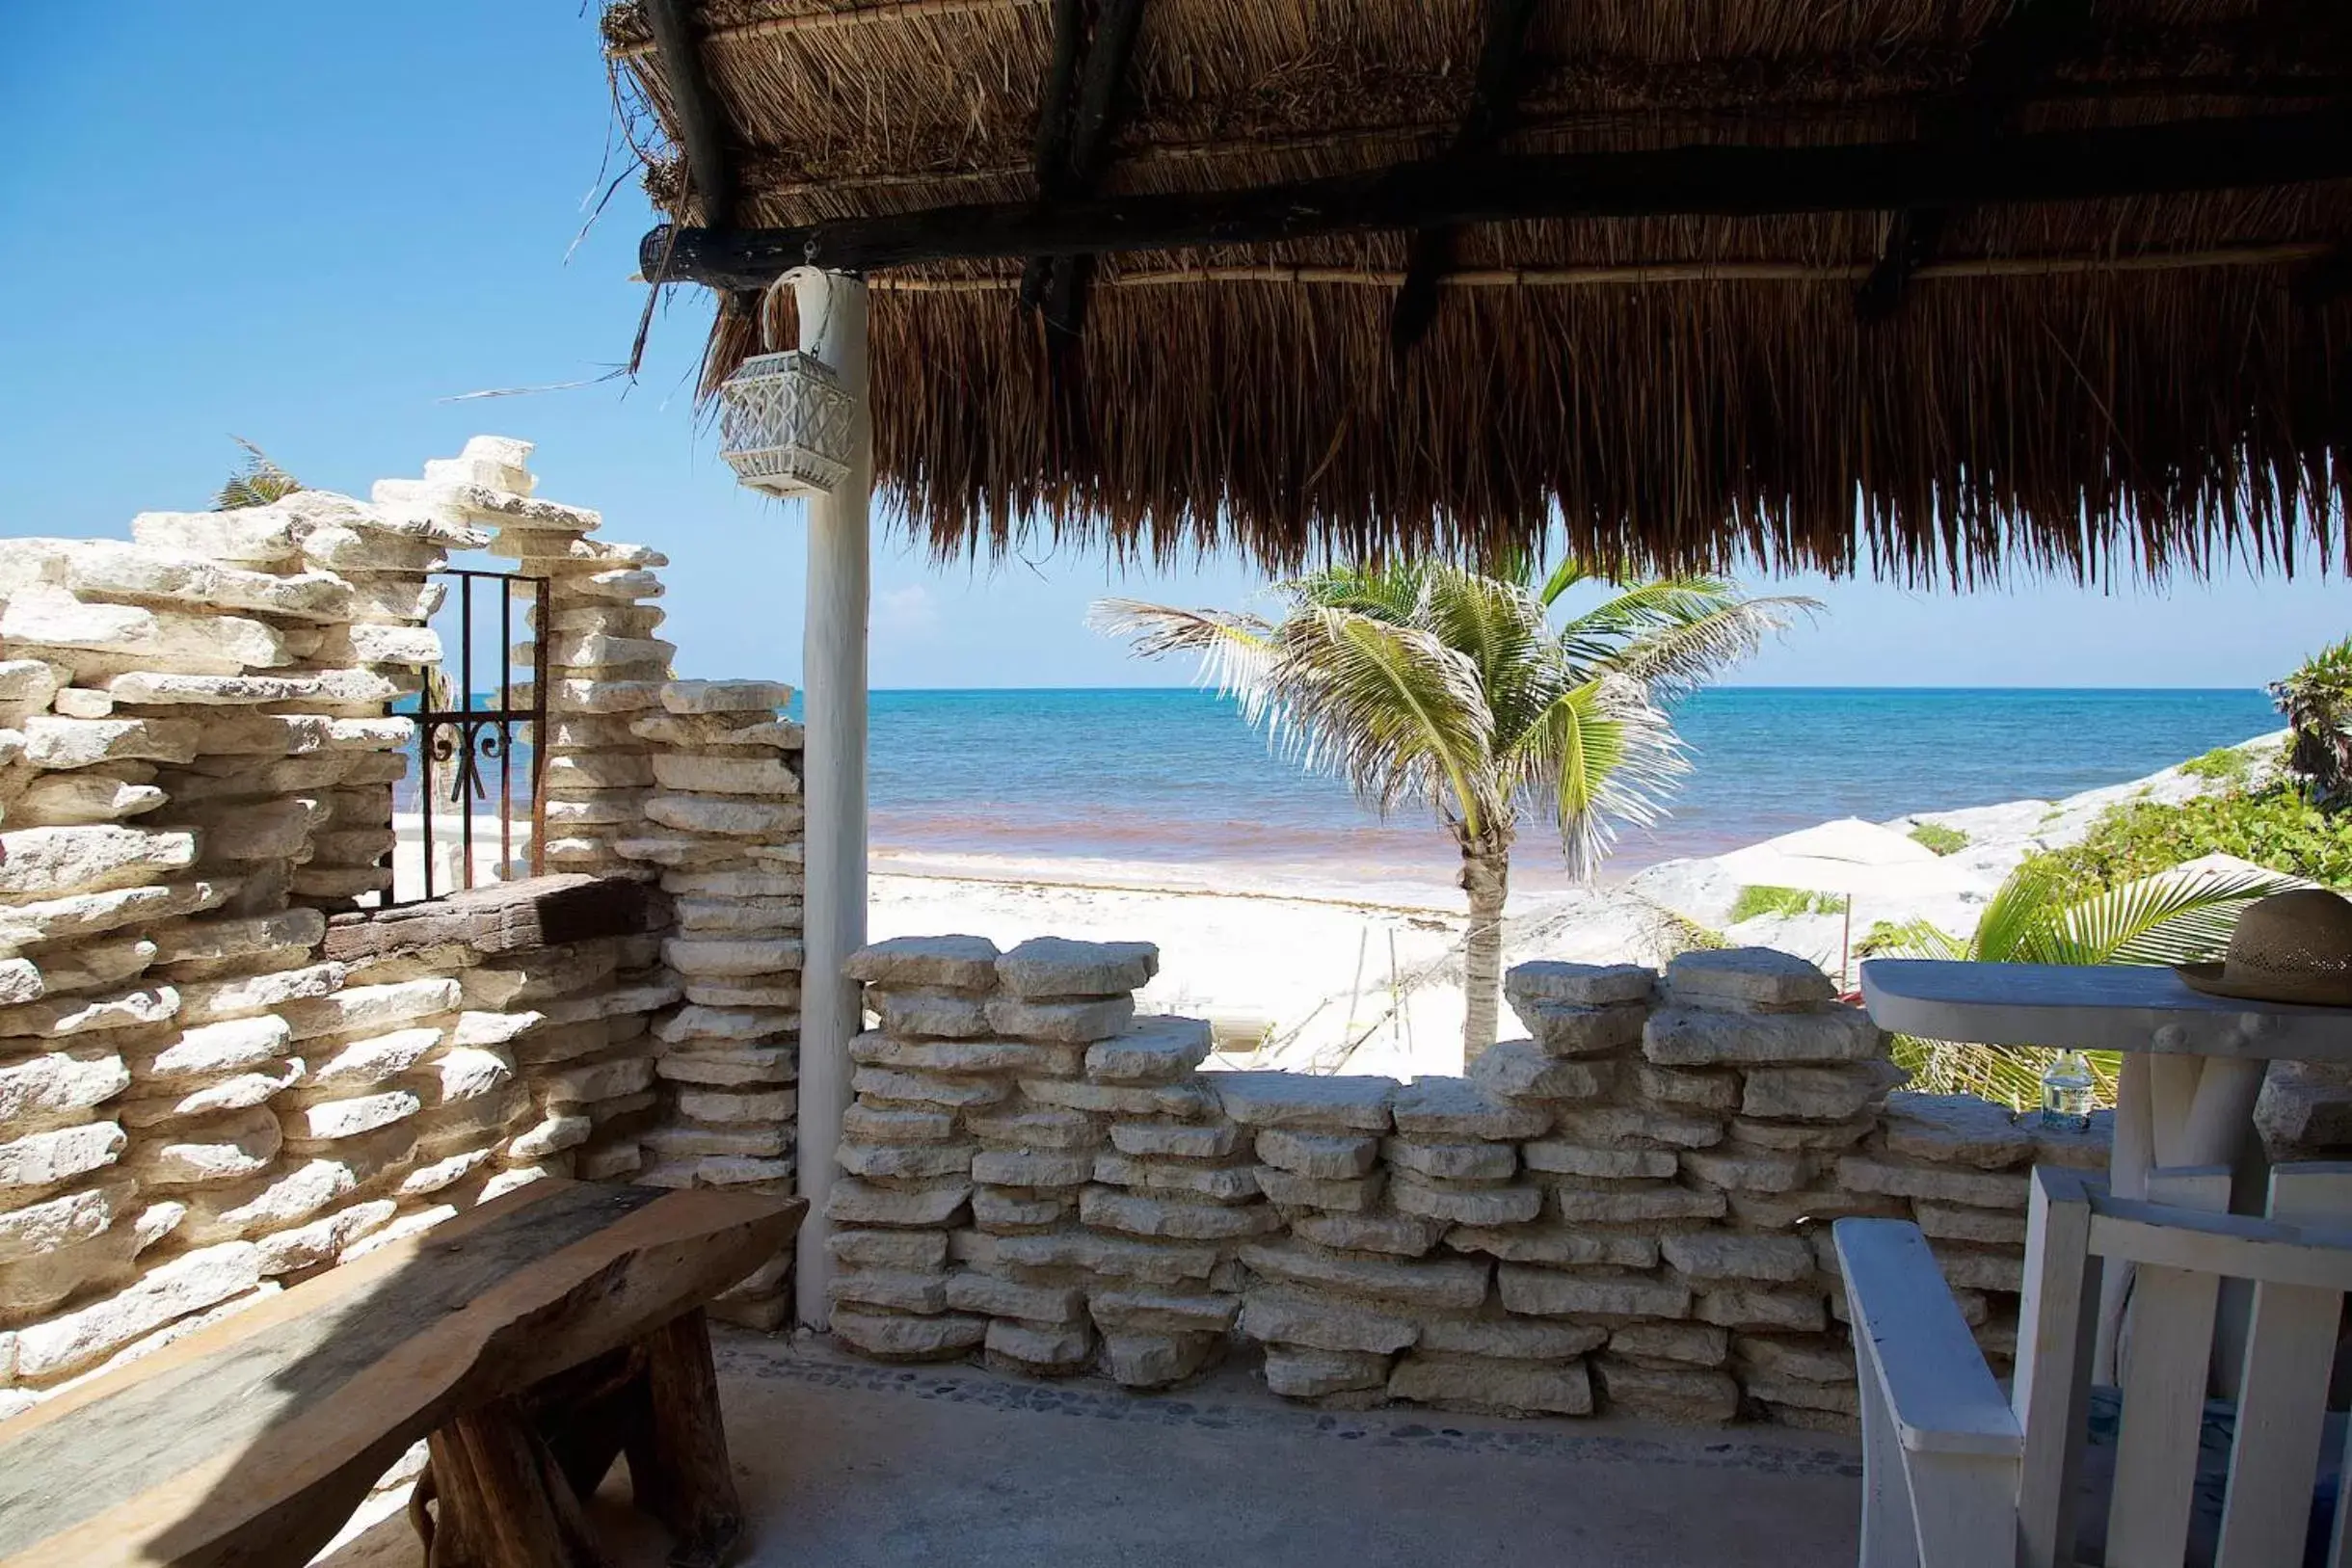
(2292, 946)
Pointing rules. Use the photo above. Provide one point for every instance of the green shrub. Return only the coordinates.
(1680, 936)
(2223, 764)
(2317, 701)
(1937, 837)
(2275, 829)
(1755, 901)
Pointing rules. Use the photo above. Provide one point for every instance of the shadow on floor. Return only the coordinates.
(849, 1464)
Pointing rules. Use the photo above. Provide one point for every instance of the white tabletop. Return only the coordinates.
(2093, 1007)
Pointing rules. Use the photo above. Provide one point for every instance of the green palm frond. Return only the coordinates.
(2008, 930)
(1393, 594)
(1499, 627)
(1390, 709)
(1564, 576)
(1427, 680)
(2171, 918)
(1915, 938)
(2177, 917)
(1597, 755)
(1235, 651)
(1689, 648)
(258, 484)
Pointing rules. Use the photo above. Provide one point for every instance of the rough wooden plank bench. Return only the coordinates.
(532, 1340)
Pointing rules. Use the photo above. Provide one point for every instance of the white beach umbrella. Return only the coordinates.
(1847, 857)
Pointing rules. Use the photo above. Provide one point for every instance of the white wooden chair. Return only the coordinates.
(1956, 1474)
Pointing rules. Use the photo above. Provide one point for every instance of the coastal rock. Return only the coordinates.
(41, 862)
(763, 697)
(1750, 977)
(1323, 1155)
(1448, 1108)
(961, 963)
(1959, 1130)
(1494, 1386)
(1077, 1023)
(1702, 1036)
(1156, 1049)
(1294, 1099)
(1292, 1317)
(1583, 985)
(1052, 966)
(1302, 1372)
(1439, 1285)
(1213, 1140)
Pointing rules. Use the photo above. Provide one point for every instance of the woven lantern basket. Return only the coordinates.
(786, 424)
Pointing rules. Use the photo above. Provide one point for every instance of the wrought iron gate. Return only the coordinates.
(456, 738)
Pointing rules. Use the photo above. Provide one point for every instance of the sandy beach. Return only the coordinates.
(1303, 967)
(1296, 972)
(1320, 963)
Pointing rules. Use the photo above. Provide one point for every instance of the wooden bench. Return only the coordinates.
(532, 1339)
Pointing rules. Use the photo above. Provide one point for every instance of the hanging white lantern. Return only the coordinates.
(786, 424)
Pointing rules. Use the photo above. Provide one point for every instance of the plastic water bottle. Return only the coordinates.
(2066, 1088)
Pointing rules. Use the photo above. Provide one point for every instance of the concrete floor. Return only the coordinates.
(848, 1465)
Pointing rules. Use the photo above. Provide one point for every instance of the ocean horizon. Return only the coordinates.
(1172, 775)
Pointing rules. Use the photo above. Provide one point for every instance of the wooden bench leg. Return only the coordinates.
(678, 1457)
(500, 1499)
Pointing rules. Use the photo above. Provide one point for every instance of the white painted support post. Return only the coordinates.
(832, 705)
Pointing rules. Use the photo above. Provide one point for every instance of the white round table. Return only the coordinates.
(2192, 1063)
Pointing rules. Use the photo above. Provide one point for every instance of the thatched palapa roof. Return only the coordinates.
(1995, 283)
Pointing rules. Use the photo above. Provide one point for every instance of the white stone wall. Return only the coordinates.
(214, 1079)
(1627, 1210)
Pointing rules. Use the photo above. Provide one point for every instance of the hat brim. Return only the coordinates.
(2317, 990)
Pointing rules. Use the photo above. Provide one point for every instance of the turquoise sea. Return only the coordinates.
(1175, 775)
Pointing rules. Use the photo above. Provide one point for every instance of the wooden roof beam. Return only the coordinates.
(1699, 180)
(1054, 111)
(700, 125)
(1059, 282)
(1494, 97)
(2015, 59)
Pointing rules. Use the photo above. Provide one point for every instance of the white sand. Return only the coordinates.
(1294, 971)
(1365, 976)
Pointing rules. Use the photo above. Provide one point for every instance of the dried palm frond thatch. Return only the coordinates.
(2086, 387)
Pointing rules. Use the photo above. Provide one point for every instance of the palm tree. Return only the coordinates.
(2317, 701)
(2177, 917)
(1431, 684)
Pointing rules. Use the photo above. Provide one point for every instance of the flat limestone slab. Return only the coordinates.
(2104, 1007)
(251, 1442)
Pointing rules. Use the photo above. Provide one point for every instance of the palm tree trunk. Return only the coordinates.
(1487, 878)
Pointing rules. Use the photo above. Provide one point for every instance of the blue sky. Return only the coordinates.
(313, 225)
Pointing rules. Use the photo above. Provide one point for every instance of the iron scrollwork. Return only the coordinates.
(461, 745)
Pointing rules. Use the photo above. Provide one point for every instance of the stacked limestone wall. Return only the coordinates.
(217, 1073)
(725, 831)
(194, 730)
(1628, 1210)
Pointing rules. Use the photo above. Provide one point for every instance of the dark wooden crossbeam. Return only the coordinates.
(2015, 59)
(2245, 151)
(700, 127)
(1054, 109)
(1059, 282)
(1494, 96)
